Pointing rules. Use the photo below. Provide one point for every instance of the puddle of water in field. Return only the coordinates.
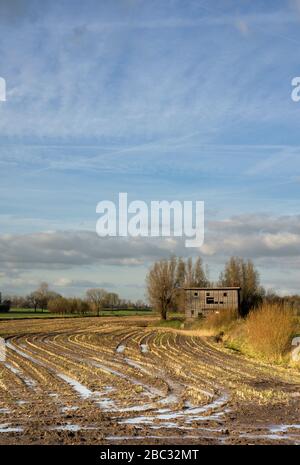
(133, 438)
(71, 427)
(6, 428)
(109, 389)
(170, 399)
(138, 420)
(12, 369)
(67, 428)
(181, 414)
(28, 381)
(5, 410)
(23, 354)
(120, 349)
(84, 391)
(169, 425)
(283, 428)
(219, 402)
(107, 404)
(272, 437)
(278, 433)
(69, 408)
(138, 366)
(188, 415)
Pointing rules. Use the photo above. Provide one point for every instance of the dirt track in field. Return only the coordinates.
(119, 380)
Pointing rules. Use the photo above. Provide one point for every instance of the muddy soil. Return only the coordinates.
(122, 381)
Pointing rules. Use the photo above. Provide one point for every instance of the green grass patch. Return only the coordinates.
(25, 313)
(233, 345)
(175, 323)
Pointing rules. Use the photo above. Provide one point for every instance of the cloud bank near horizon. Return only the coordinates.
(270, 241)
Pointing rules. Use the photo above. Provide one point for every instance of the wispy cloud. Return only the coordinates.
(111, 78)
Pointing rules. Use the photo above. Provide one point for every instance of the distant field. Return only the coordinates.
(20, 313)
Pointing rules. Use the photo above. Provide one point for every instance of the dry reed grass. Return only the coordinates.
(269, 330)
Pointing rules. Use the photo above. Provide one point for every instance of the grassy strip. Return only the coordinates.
(175, 323)
(25, 313)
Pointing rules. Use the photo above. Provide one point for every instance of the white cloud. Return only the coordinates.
(71, 248)
(63, 282)
(253, 236)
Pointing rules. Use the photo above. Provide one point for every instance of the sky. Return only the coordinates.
(164, 100)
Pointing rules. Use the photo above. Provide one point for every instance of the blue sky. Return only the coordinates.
(187, 100)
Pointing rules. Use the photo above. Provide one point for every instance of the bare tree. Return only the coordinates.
(112, 299)
(162, 285)
(181, 271)
(83, 307)
(68, 305)
(58, 305)
(188, 281)
(199, 278)
(242, 273)
(97, 298)
(33, 300)
(41, 297)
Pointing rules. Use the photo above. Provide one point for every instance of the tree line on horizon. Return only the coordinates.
(95, 300)
(164, 288)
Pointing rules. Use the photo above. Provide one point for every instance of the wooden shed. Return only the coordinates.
(199, 301)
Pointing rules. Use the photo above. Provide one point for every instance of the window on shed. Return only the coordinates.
(196, 294)
(225, 294)
(210, 300)
(208, 293)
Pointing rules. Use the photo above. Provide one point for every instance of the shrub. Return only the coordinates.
(221, 319)
(269, 330)
(58, 305)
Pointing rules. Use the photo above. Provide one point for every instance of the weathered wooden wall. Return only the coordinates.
(203, 301)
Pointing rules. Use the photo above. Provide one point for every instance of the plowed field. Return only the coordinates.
(119, 380)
